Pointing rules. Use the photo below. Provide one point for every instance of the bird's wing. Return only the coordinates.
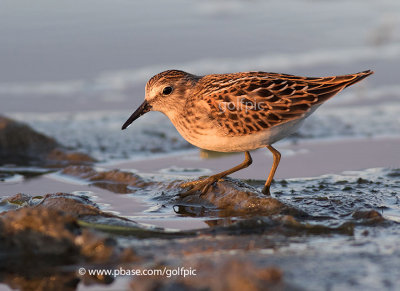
(245, 103)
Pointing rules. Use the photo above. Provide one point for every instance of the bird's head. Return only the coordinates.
(165, 92)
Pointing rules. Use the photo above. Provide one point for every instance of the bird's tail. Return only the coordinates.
(326, 87)
(355, 78)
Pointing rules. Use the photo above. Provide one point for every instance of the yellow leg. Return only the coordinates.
(277, 158)
(204, 184)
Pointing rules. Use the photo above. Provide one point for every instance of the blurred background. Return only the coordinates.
(77, 69)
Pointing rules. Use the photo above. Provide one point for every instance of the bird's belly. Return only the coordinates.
(222, 143)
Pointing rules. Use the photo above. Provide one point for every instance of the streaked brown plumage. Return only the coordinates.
(239, 111)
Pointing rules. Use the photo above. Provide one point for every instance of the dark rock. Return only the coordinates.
(88, 173)
(366, 214)
(36, 241)
(76, 206)
(50, 229)
(115, 180)
(368, 217)
(22, 145)
(233, 197)
(38, 231)
(19, 143)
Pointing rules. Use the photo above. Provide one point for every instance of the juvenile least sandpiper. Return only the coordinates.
(238, 112)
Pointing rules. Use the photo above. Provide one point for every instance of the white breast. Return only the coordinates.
(214, 141)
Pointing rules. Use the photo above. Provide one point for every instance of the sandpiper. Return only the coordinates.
(238, 112)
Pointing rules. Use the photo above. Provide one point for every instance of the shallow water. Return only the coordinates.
(341, 228)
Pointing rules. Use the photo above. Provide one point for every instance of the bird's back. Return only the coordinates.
(244, 111)
(245, 103)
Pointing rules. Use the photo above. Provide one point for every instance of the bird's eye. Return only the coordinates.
(167, 90)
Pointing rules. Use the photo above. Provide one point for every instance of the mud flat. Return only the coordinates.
(339, 229)
(336, 230)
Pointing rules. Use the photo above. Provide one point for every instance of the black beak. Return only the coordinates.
(145, 107)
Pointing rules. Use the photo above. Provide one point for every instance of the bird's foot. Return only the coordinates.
(201, 186)
(266, 191)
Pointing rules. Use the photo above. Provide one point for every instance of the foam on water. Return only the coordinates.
(100, 134)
